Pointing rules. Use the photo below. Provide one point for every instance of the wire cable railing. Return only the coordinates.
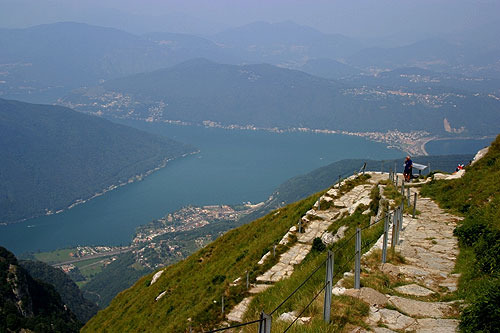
(297, 289)
(359, 248)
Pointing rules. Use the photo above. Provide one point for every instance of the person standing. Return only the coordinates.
(408, 169)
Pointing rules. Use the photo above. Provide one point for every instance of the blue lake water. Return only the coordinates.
(232, 167)
(458, 146)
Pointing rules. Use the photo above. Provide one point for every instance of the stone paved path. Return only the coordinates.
(315, 223)
(430, 250)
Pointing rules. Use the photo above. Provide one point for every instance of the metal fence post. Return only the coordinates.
(222, 305)
(394, 227)
(408, 196)
(429, 166)
(357, 265)
(403, 188)
(401, 217)
(397, 222)
(386, 232)
(339, 181)
(397, 181)
(414, 204)
(300, 226)
(274, 250)
(328, 289)
(265, 323)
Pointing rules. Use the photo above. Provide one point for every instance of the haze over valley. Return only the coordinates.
(139, 137)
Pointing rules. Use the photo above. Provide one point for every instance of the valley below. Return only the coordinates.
(233, 167)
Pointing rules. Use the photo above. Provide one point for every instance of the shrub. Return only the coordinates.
(487, 251)
(318, 245)
(469, 233)
(483, 313)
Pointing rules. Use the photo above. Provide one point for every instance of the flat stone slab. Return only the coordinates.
(363, 201)
(264, 257)
(431, 325)
(455, 175)
(422, 309)
(390, 269)
(391, 318)
(239, 310)
(368, 295)
(329, 239)
(359, 330)
(333, 192)
(288, 317)
(314, 229)
(414, 290)
(284, 268)
(339, 203)
(258, 288)
(382, 330)
(451, 286)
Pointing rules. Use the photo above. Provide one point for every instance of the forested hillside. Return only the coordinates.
(69, 291)
(266, 96)
(53, 156)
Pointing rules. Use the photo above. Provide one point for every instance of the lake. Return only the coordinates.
(234, 166)
(457, 146)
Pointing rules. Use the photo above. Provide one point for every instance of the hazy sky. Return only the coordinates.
(358, 18)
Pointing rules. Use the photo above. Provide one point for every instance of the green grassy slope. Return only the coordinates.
(476, 196)
(195, 283)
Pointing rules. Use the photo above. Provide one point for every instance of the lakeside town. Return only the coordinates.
(150, 245)
(189, 218)
(156, 248)
(412, 142)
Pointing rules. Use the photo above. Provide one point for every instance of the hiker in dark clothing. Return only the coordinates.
(408, 169)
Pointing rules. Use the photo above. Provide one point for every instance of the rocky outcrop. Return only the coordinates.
(29, 303)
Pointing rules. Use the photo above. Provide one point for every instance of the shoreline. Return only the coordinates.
(484, 137)
(132, 179)
(407, 142)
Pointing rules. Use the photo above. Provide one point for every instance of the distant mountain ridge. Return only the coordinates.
(46, 61)
(285, 43)
(267, 96)
(43, 63)
(53, 156)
